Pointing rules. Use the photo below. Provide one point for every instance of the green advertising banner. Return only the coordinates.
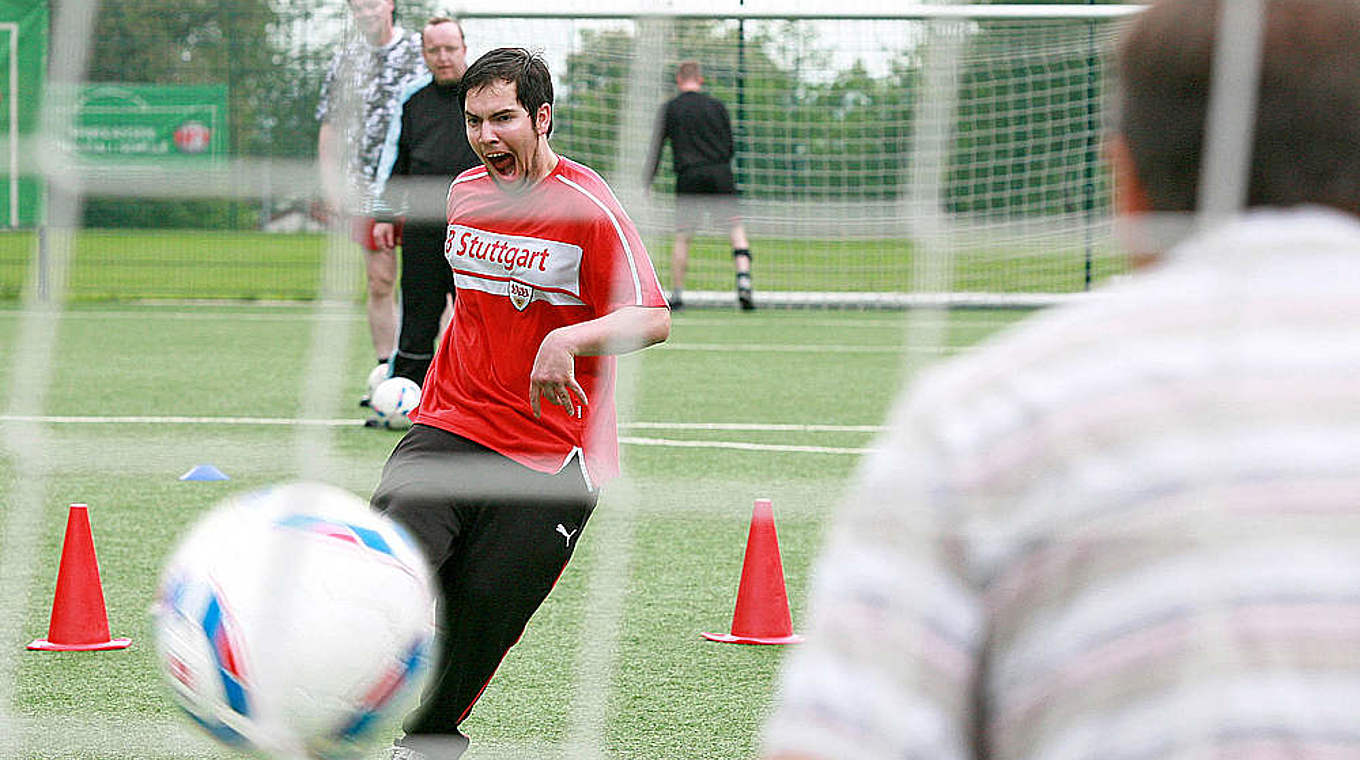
(158, 122)
(23, 56)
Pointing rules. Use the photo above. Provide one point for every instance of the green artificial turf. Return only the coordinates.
(658, 564)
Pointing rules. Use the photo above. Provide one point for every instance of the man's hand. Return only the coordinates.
(554, 377)
(385, 235)
(619, 332)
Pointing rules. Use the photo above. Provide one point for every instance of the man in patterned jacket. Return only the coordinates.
(361, 93)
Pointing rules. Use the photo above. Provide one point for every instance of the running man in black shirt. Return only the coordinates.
(700, 134)
(431, 141)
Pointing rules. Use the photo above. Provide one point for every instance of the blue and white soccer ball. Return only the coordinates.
(393, 401)
(295, 621)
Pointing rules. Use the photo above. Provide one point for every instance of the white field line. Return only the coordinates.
(758, 426)
(810, 348)
(351, 421)
(290, 312)
(743, 446)
(302, 313)
(629, 440)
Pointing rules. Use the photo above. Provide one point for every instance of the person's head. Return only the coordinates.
(375, 18)
(1306, 148)
(441, 41)
(508, 102)
(689, 76)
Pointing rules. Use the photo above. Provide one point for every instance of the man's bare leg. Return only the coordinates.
(381, 268)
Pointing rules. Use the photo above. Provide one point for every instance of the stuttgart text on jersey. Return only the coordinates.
(545, 265)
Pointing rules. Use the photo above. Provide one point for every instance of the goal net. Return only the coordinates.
(845, 170)
(887, 156)
(840, 176)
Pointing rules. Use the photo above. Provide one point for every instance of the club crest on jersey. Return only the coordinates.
(520, 295)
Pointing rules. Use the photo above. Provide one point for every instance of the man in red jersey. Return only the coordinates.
(553, 281)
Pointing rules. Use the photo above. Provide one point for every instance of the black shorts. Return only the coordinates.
(710, 179)
(705, 192)
(499, 535)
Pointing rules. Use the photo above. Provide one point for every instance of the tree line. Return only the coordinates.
(1021, 138)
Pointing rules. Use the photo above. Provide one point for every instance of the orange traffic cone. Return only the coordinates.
(762, 613)
(79, 621)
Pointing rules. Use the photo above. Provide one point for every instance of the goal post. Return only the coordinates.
(23, 58)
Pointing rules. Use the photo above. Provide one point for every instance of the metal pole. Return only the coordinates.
(1092, 152)
(741, 98)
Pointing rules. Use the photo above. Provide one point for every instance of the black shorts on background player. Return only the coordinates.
(705, 191)
(426, 280)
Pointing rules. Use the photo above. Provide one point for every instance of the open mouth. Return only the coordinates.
(503, 163)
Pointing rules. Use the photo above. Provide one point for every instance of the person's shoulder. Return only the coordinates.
(472, 179)
(418, 88)
(1087, 329)
(407, 48)
(698, 96)
(347, 49)
(583, 179)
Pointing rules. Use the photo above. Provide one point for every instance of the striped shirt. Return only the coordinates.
(1128, 529)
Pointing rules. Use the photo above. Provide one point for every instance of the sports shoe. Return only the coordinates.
(375, 377)
(439, 747)
(676, 303)
(744, 291)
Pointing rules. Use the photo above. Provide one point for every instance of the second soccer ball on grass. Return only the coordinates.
(394, 400)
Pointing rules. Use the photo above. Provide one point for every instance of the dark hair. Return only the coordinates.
(1306, 147)
(526, 70)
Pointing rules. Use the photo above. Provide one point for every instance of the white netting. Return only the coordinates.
(1005, 203)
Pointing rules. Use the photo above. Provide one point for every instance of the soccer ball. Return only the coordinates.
(393, 401)
(294, 621)
(376, 376)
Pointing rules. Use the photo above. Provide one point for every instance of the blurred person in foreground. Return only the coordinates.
(553, 281)
(1130, 528)
(702, 149)
(428, 141)
(359, 99)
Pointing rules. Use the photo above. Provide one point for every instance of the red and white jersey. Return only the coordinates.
(525, 264)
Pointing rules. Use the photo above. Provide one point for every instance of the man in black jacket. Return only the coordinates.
(700, 134)
(430, 140)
